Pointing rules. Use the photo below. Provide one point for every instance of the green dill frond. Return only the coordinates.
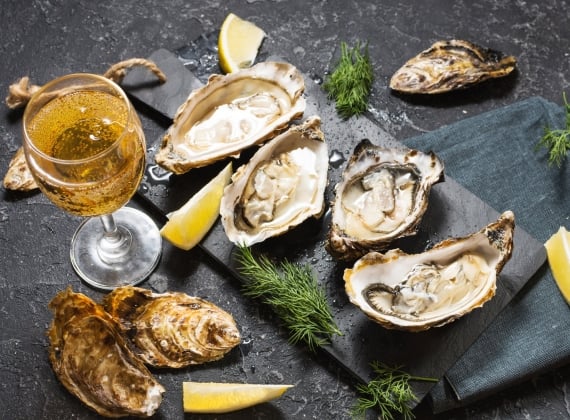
(350, 83)
(557, 141)
(294, 294)
(390, 392)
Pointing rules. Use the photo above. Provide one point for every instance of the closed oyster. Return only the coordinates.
(90, 357)
(415, 292)
(382, 196)
(172, 329)
(449, 65)
(281, 186)
(231, 113)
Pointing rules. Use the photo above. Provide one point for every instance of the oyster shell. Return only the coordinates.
(172, 329)
(281, 186)
(415, 292)
(449, 65)
(91, 358)
(382, 196)
(231, 113)
(19, 177)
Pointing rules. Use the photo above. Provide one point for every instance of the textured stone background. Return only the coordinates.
(48, 38)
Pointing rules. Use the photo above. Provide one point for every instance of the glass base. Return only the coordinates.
(140, 249)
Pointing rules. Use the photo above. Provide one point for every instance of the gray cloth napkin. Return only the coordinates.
(494, 156)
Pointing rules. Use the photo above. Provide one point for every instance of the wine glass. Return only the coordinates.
(85, 147)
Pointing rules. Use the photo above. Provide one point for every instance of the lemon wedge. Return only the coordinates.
(238, 43)
(558, 252)
(189, 224)
(212, 397)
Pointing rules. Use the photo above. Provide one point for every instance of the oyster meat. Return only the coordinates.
(382, 196)
(281, 186)
(449, 65)
(231, 113)
(415, 292)
(91, 358)
(172, 329)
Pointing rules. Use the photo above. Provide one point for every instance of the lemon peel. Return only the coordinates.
(213, 397)
(190, 223)
(558, 252)
(238, 43)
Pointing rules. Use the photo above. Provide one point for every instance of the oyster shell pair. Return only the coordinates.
(98, 352)
(382, 196)
(449, 65)
(283, 183)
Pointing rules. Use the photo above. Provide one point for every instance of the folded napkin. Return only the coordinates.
(493, 155)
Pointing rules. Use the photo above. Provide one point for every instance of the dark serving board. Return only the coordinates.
(453, 211)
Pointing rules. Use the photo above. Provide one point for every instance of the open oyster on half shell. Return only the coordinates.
(172, 329)
(415, 292)
(382, 196)
(230, 113)
(281, 186)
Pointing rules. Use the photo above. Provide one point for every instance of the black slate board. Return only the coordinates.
(453, 212)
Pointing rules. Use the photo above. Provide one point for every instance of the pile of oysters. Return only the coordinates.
(100, 352)
(381, 197)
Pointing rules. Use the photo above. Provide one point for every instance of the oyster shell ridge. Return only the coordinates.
(172, 329)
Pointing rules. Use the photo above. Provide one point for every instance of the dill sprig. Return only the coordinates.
(389, 391)
(350, 83)
(557, 141)
(293, 293)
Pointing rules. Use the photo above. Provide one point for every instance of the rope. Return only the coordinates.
(118, 71)
(20, 92)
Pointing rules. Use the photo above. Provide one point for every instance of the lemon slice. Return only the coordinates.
(212, 397)
(558, 251)
(238, 43)
(190, 223)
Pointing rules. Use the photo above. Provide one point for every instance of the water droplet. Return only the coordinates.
(144, 188)
(336, 158)
(317, 79)
(157, 174)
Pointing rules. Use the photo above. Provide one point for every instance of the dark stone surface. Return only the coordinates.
(45, 39)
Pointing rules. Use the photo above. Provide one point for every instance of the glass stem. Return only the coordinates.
(115, 242)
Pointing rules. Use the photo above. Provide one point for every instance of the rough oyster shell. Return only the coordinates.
(281, 186)
(382, 196)
(90, 357)
(172, 329)
(231, 113)
(415, 292)
(449, 65)
(18, 177)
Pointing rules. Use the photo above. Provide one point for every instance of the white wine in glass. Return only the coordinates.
(85, 147)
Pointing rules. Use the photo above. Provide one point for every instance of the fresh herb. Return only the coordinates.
(390, 391)
(294, 294)
(557, 141)
(350, 83)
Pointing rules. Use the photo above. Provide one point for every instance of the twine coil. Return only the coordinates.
(20, 92)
